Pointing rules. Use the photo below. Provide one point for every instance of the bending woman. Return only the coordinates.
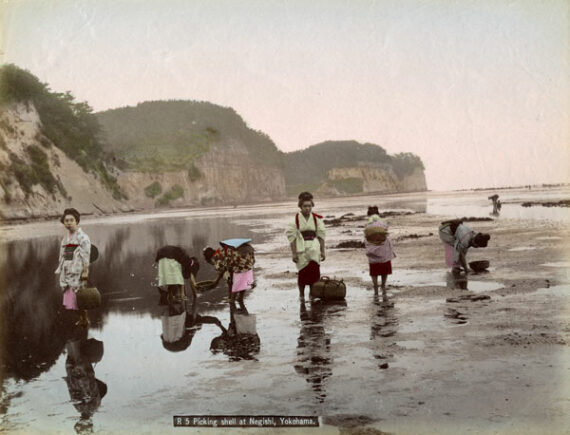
(457, 239)
(306, 236)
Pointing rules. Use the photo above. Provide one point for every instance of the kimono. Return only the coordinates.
(306, 233)
(174, 265)
(229, 260)
(456, 244)
(379, 253)
(74, 255)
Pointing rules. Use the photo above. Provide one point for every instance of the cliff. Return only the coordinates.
(226, 174)
(369, 179)
(39, 179)
(56, 153)
(335, 168)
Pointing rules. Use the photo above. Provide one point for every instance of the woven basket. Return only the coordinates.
(88, 297)
(479, 266)
(328, 289)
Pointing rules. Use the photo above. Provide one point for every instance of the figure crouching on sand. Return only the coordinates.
(306, 235)
(457, 239)
(234, 261)
(379, 248)
(73, 266)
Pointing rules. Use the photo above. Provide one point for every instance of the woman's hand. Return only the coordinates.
(84, 275)
(323, 256)
(295, 257)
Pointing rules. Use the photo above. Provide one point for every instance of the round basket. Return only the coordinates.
(479, 266)
(205, 285)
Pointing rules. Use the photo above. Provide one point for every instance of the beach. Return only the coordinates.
(486, 353)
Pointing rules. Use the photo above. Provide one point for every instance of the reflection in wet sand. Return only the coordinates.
(383, 324)
(240, 341)
(314, 344)
(180, 324)
(85, 390)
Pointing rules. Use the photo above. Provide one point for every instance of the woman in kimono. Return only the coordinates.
(174, 267)
(234, 261)
(457, 239)
(73, 267)
(306, 236)
(379, 248)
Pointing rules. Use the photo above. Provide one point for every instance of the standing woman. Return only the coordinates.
(306, 235)
(73, 265)
(379, 248)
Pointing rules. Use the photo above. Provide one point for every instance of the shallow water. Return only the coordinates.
(477, 204)
(304, 359)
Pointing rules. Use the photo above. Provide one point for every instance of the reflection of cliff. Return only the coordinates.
(33, 338)
(30, 301)
(313, 346)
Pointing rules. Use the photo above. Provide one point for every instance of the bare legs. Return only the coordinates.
(302, 292)
(384, 278)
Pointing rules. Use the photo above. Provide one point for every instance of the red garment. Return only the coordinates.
(381, 268)
(309, 274)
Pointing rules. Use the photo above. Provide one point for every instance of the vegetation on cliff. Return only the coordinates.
(68, 124)
(158, 136)
(307, 169)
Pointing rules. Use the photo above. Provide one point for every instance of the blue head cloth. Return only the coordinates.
(235, 243)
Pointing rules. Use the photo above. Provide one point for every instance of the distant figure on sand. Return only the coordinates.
(496, 204)
(234, 261)
(457, 239)
(379, 248)
(174, 267)
(73, 265)
(306, 236)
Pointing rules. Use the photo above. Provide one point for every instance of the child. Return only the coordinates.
(378, 248)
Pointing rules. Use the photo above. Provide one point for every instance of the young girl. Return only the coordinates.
(378, 248)
(73, 267)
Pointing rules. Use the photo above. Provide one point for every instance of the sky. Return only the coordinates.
(478, 89)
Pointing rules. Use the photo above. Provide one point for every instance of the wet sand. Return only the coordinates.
(415, 363)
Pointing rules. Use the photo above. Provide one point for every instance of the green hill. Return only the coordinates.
(158, 136)
(307, 169)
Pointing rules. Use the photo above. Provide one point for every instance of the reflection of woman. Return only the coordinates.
(73, 267)
(241, 340)
(179, 326)
(313, 348)
(85, 390)
(457, 239)
(306, 236)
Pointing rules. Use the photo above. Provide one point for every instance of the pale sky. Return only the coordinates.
(478, 89)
